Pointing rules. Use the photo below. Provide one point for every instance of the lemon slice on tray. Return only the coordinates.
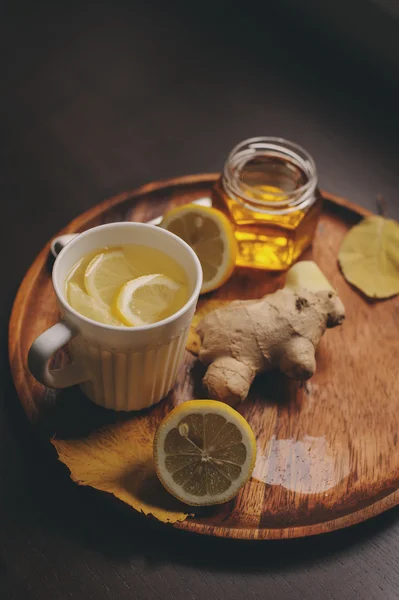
(147, 299)
(210, 234)
(89, 307)
(106, 273)
(204, 452)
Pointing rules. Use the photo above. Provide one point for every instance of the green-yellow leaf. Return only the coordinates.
(369, 257)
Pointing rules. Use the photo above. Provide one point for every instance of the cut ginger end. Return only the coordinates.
(306, 274)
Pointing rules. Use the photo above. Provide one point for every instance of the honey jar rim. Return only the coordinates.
(298, 199)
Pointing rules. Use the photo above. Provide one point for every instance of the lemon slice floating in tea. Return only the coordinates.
(204, 452)
(89, 307)
(106, 273)
(148, 299)
(210, 234)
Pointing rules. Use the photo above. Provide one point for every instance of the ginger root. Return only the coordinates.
(280, 331)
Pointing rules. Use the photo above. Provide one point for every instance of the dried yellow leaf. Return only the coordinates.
(369, 257)
(204, 307)
(119, 460)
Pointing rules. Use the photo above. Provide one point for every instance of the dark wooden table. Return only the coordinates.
(102, 98)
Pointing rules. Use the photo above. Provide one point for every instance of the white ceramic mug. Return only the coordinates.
(123, 368)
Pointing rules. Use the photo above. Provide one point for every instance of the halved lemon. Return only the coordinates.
(88, 306)
(106, 273)
(204, 452)
(147, 299)
(210, 234)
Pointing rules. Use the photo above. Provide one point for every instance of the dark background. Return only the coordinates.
(96, 98)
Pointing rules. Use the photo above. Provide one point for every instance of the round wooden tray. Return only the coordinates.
(328, 453)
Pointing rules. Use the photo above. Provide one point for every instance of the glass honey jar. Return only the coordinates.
(268, 190)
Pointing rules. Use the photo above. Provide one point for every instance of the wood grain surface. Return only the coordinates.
(105, 96)
(328, 453)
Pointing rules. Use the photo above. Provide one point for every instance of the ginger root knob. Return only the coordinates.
(280, 331)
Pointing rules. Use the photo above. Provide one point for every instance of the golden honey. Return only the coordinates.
(268, 190)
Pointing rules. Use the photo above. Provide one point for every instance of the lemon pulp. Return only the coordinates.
(204, 452)
(89, 307)
(211, 236)
(147, 299)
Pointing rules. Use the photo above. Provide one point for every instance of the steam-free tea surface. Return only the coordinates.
(328, 450)
(128, 285)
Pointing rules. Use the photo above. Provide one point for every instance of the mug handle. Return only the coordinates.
(41, 351)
